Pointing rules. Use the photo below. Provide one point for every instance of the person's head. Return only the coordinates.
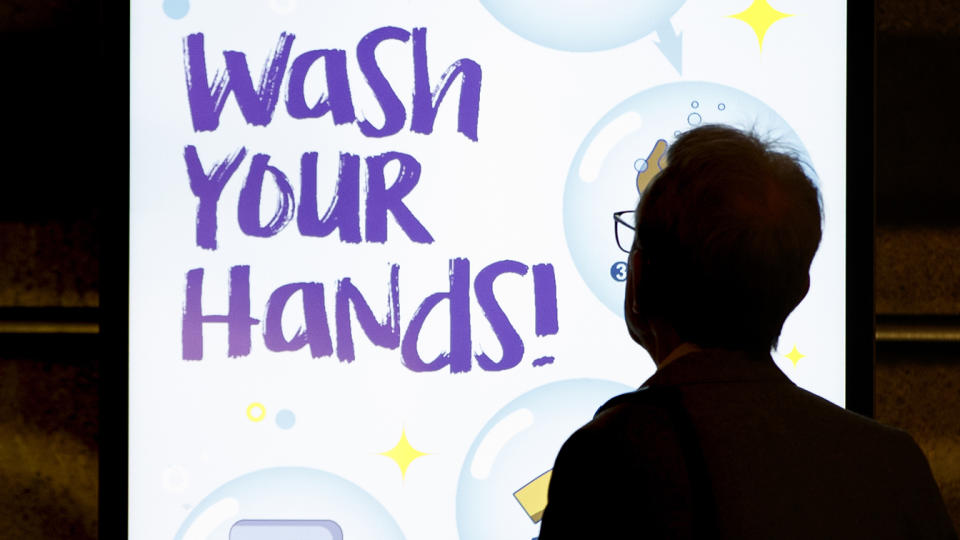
(725, 236)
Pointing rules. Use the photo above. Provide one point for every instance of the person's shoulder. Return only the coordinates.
(629, 420)
(891, 459)
(855, 424)
(646, 400)
(612, 467)
(891, 449)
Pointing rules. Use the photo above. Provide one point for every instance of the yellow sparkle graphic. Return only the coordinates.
(795, 356)
(403, 454)
(760, 16)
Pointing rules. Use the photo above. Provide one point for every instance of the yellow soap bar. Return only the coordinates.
(533, 496)
(655, 163)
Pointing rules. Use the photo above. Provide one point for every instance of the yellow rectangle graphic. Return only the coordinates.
(533, 496)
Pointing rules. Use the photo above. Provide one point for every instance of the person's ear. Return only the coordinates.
(633, 312)
(633, 279)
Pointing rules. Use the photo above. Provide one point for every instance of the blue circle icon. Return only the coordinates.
(619, 271)
(604, 177)
(176, 9)
(501, 492)
(289, 502)
(286, 419)
(583, 25)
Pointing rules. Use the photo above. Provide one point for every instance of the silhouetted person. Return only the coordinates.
(719, 443)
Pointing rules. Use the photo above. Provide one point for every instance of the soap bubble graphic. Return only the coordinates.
(283, 7)
(604, 176)
(176, 479)
(583, 25)
(516, 446)
(287, 495)
(176, 9)
(286, 419)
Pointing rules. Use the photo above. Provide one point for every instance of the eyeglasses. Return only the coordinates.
(624, 229)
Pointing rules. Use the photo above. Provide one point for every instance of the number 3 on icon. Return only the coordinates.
(619, 271)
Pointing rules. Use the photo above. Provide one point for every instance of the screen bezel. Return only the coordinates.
(861, 207)
(114, 69)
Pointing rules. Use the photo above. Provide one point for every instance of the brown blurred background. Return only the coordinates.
(52, 231)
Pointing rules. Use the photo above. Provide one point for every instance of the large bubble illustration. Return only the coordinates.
(502, 487)
(289, 502)
(625, 150)
(584, 25)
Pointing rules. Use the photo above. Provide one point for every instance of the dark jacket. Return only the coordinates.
(720, 444)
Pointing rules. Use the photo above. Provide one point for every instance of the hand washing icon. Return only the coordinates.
(507, 461)
(627, 148)
(646, 172)
(289, 503)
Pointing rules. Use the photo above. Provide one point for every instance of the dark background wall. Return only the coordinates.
(56, 191)
(918, 232)
(49, 267)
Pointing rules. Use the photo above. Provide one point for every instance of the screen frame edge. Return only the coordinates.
(860, 344)
(114, 229)
(114, 276)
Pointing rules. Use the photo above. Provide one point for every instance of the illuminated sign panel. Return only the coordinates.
(374, 283)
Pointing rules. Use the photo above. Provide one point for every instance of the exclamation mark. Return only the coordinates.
(545, 304)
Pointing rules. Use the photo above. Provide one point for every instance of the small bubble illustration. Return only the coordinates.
(176, 479)
(286, 419)
(283, 7)
(176, 9)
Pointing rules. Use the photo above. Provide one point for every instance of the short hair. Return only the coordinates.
(726, 233)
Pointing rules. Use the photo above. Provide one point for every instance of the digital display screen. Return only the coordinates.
(373, 279)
